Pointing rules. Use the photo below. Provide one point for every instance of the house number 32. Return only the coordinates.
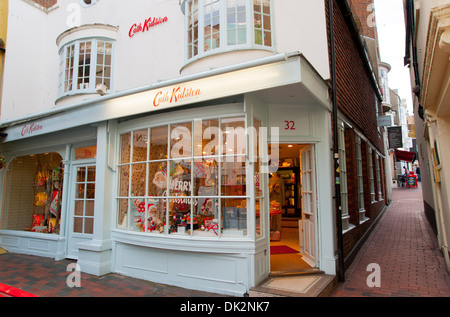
(290, 125)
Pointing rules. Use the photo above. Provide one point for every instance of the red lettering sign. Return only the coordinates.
(29, 129)
(175, 95)
(148, 23)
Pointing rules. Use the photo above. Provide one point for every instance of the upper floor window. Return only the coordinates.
(84, 65)
(221, 25)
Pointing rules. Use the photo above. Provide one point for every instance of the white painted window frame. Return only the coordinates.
(90, 88)
(224, 47)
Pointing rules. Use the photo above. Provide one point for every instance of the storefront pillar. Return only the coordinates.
(94, 256)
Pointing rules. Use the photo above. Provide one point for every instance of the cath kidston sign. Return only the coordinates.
(148, 23)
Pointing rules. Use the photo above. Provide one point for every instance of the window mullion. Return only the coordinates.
(223, 25)
(201, 28)
(93, 65)
(250, 24)
(76, 57)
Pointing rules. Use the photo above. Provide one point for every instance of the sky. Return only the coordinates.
(391, 36)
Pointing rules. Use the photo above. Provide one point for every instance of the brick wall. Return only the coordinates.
(46, 3)
(356, 96)
(357, 100)
(363, 11)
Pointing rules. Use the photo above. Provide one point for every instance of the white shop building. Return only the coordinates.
(173, 181)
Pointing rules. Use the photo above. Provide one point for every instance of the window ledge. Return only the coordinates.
(30, 234)
(185, 243)
(77, 96)
(218, 52)
(350, 227)
(364, 220)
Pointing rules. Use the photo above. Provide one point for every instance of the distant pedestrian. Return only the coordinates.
(418, 173)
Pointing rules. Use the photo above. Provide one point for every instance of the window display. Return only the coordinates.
(33, 190)
(184, 179)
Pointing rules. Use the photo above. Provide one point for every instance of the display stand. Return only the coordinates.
(275, 222)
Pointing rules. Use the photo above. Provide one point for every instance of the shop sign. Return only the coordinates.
(384, 121)
(395, 137)
(31, 128)
(148, 23)
(174, 95)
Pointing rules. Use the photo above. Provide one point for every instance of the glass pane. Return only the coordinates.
(138, 179)
(89, 225)
(266, 6)
(232, 37)
(138, 215)
(206, 137)
(206, 177)
(91, 174)
(90, 191)
(85, 152)
(258, 209)
(140, 143)
(81, 174)
(124, 180)
(156, 209)
(181, 140)
(79, 207)
(158, 143)
(180, 216)
(233, 178)
(180, 178)
(125, 147)
(258, 37)
(157, 178)
(233, 130)
(234, 217)
(79, 191)
(78, 225)
(206, 215)
(267, 25)
(268, 38)
(89, 208)
(258, 178)
(122, 213)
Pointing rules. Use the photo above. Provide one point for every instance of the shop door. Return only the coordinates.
(81, 207)
(308, 198)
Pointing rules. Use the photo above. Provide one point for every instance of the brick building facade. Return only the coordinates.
(359, 100)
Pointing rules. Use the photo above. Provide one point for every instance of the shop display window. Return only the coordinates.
(33, 194)
(186, 179)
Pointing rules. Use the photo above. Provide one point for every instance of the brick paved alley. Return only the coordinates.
(406, 250)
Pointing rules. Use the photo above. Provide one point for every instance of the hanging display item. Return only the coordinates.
(47, 196)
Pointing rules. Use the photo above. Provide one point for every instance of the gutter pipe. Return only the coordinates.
(337, 187)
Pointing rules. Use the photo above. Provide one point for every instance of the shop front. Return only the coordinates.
(179, 188)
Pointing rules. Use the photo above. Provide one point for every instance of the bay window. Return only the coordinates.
(185, 179)
(85, 64)
(214, 26)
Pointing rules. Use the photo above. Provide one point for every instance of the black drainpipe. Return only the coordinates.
(337, 194)
(411, 44)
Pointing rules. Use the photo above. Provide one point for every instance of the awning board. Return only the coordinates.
(405, 156)
(208, 88)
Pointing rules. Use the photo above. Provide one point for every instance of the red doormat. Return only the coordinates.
(281, 249)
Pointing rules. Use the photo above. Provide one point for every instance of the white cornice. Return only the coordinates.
(437, 53)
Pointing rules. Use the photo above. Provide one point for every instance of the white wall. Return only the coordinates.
(32, 60)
